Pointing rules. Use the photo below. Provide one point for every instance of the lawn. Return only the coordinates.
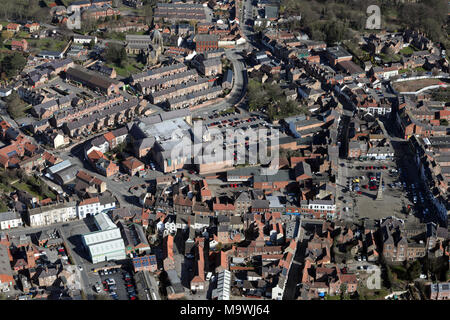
(407, 51)
(387, 58)
(47, 44)
(3, 207)
(31, 190)
(128, 69)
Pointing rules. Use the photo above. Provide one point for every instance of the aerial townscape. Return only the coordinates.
(224, 150)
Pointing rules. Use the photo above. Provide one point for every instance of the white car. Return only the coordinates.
(80, 268)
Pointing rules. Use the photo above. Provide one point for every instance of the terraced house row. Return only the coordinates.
(158, 73)
(72, 113)
(116, 114)
(180, 11)
(152, 85)
(194, 98)
(179, 90)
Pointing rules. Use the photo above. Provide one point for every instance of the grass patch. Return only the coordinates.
(3, 207)
(407, 51)
(47, 44)
(128, 69)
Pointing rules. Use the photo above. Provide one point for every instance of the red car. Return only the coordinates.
(365, 186)
(358, 192)
(133, 298)
(373, 188)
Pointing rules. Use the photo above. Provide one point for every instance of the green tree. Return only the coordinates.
(116, 53)
(15, 105)
(13, 64)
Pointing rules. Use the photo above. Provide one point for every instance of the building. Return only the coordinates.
(19, 45)
(148, 263)
(80, 39)
(178, 11)
(44, 216)
(440, 291)
(325, 209)
(6, 273)
(207, 67)
(106, 243)
(134, 238)
(51, 55)
(10, 219)
(93, 80)
(94, 206)
(227, 82)
(206, 42)
(133, 165)
(338, 54)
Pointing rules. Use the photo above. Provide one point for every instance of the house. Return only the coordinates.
(46, 276)
(85, 183)
(19, 45)
(44, 216)
(106, 167)
(207, 67)
(58, 139)
(133, 165)
(10, 219)
(93, 206)
(32, 27)
(13, 27)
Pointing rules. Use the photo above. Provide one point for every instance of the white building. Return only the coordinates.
(222, 291)
(10, 219)
(93, 206)
(106, 244)
(380, 153)
(324, 208)
(60, 212)
(79, 39)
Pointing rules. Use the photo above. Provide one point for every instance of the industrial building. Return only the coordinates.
(105, 244)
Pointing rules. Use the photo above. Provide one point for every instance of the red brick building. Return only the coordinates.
(205, 42)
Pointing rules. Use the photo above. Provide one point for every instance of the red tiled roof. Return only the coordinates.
(132, 163)
(109, 136)
(96, 155)
(89, 201)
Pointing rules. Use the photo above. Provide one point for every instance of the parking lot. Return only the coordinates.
(118, 283)
(359, 186)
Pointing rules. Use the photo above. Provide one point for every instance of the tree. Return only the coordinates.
(15, 105)
(13, 64)
(414, 270)
(116, 54)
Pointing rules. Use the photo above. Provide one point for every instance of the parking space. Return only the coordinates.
(118, 283)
